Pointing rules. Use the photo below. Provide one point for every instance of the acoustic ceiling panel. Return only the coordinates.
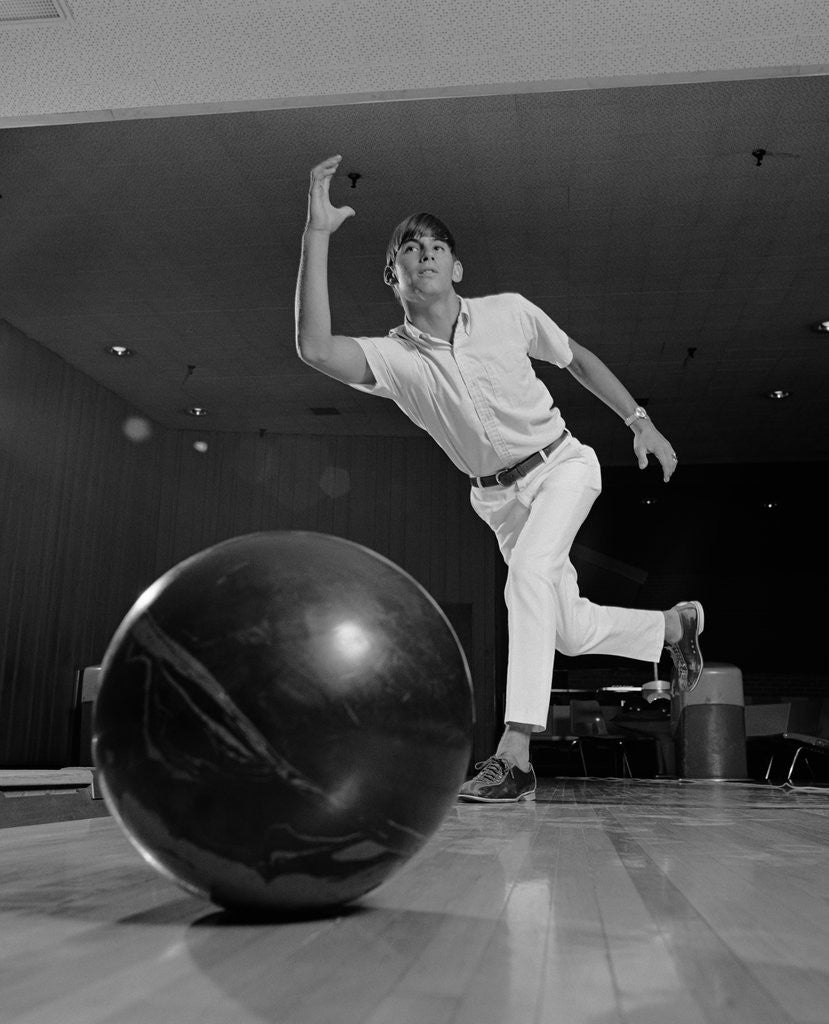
(137, 57)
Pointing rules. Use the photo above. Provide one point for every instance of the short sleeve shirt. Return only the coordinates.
(477, 396)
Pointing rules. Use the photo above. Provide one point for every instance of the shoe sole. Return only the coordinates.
(700, 615)
(700, 627)
(497, 799)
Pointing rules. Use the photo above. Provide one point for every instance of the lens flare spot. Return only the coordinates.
(137, 429)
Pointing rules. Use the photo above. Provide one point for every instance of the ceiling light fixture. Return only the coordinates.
(821, 327)
(196, 410)
(778, 393)
(121, 351)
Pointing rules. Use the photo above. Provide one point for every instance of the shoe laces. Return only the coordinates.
(492, 770)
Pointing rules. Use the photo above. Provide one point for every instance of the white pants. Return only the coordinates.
(536, 520)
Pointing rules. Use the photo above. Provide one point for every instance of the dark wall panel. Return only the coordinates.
(750, 542)
(398, 496)
(77, 528)
(88, 519)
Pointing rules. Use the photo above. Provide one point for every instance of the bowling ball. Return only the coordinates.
(283, 720)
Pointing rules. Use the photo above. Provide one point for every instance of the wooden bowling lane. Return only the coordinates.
(603, 902)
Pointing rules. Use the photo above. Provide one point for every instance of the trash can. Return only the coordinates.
(709, 726)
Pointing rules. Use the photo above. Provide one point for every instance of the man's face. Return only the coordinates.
(425, 267)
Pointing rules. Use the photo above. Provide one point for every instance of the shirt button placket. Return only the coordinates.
(487, 417)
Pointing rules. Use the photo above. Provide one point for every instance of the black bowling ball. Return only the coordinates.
(283, 720)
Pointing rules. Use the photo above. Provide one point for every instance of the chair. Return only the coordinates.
(647, 726)
(593, 739)
(765, 725)
(555, 751)
(87, 684)
(580, 740)
(793, 754)
(767, 719)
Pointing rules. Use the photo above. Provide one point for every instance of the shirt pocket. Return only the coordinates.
(510, 374)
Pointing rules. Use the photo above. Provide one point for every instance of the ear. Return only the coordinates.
(389, 277)
(457, 271)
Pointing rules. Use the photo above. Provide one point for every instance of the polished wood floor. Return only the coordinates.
(603, 902)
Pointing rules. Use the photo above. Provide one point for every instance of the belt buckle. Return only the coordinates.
(520, 469)
(514, 472)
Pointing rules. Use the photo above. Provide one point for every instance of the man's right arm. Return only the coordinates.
(336, 355)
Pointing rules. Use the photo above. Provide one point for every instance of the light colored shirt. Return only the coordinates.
(478, 396)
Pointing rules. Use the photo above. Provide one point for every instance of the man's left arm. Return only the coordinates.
(592, 374)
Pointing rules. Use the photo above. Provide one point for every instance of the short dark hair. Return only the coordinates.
(416, 226)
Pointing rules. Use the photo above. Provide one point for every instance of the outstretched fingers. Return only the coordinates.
(322, 215)
(322, 174)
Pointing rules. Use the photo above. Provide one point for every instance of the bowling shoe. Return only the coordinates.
(685, 652)
(499, 782)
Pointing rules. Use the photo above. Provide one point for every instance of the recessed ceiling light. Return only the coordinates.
(200, 446)
(196, 410)
(778, 393)
(119, 350)
(822, 327)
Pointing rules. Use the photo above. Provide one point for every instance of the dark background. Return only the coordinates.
(89, 518)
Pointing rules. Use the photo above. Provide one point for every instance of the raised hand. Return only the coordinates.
(322, 216)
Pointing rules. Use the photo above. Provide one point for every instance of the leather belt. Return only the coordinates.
(507, 476)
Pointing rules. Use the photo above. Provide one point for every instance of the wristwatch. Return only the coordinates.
(637, 414)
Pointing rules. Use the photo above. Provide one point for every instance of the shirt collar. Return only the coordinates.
(409, 330)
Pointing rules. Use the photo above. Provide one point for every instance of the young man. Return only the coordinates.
(460, 368)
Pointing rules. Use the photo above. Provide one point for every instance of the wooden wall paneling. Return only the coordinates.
(89, 519)
(232, 486)
(172, 508)
(358, 467)
(382, 498)
(288, 474)
(328, 501)
(259, 470)
(441, 555)
(77, 523)
(456, 512)
(371, 470)
(340, 485)
(389, 493)
(331, 503)
(319, 501)
(304, 511)
(271, 477)
(226, 499)
(250, 465)
(411, 525)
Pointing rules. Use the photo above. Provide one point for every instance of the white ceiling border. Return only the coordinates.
(395, 96)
